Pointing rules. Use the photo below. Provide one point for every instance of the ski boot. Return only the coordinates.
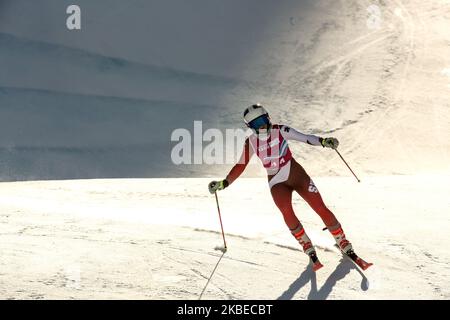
(347, 249)
(359, 261)
(301, 236)
(316, 265)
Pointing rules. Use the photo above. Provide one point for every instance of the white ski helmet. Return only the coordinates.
(255, 116)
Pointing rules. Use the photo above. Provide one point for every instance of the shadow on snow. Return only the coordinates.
(343, 268)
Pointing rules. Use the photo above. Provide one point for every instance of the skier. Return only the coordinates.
(269, 142)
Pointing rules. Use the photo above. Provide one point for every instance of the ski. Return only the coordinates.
(359, 261)
(316, 265)
(356, 259)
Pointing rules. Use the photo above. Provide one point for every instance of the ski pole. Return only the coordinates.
(212, 273)
(347, 165)
(221, 225)
(223, 250)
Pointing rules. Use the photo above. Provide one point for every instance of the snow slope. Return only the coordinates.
(320, 66)
(156, 238)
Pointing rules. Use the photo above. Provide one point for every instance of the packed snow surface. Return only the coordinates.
(158, 239)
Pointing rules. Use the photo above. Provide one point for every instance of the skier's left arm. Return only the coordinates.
(291, 134)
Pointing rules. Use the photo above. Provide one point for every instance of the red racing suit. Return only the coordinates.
(285, 175)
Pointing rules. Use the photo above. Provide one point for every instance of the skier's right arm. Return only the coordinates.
(239, 167)
(235, 172)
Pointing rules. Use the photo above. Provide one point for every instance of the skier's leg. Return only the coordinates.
(314, 199)
(339, 236)
(302, 238)
(305, 187)
(282, 196)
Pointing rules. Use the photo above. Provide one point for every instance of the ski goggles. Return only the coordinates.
(259, 122)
